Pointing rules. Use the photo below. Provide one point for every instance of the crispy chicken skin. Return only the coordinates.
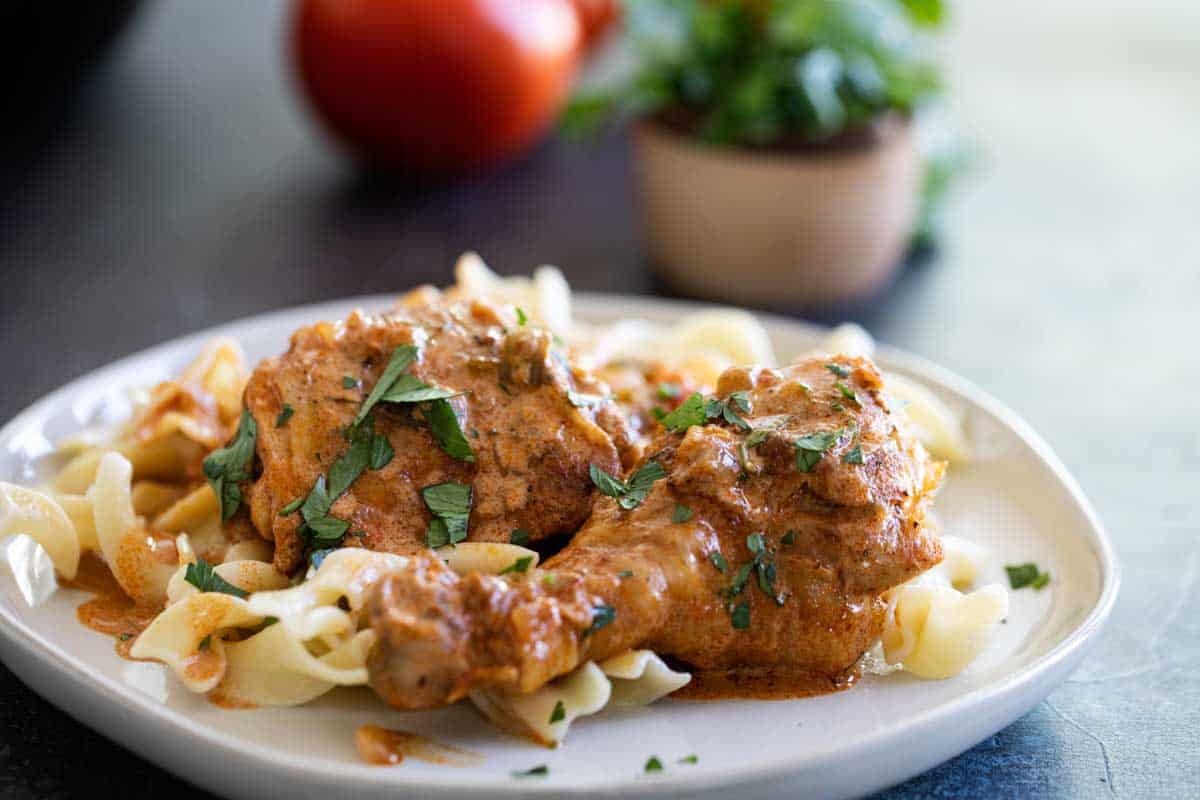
(834, 538)
(532, 444)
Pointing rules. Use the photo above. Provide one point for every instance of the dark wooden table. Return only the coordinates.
(187, 188)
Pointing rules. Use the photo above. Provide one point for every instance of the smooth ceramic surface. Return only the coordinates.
(1014, 497)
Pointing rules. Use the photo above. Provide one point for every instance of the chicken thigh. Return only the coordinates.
(753, 546)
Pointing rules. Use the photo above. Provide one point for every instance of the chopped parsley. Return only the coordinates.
(559, 713)
(381, 452)
(325, 531)
(205, 643)
(839, 370)
(789, 538)
(690, 412)
(809, 448)
(285, 414)
(692, 759)
(520, 565)
(450, 505)
(668, 391)
(740, 616)
(518, 536)
(292, 507)
(602, 616)
(854, 456)
(521, 318)
(411, 389)
(317, 557)
(719, 561)
(225, 467)
(348, 382)
(724, 409)
(628, 494)
(653, 764)
(538, 771)
(847, 393)
(402, 357)
(681, 514)
(625, 573)
(1022, 575)
(202, 575)
(443, 422)
(367, 448)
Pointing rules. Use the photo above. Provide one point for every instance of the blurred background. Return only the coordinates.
(170, 165)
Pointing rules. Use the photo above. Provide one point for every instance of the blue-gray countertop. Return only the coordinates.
(185, 188)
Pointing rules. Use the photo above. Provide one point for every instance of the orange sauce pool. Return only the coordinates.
(110, 612)
(383, 747)
(764, 685)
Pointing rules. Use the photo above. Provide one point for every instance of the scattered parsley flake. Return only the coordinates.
(205, 643)
(809, 448)
(755, 543)
(653, 764)
(410, 389)
(402, 357)
(692, 759)
(668, 391)
(520, 565)
(690, 412)
(681, 514)
(559, 713)
(719, 561)
(625, 573)
(348, 382)
(450, 505)
(518, 536)
(521, 318)
(443, 422)
(854, 456)
(628, 494)
(788, 538)
(202, 575)
(381, 451)
(847, 393)
(538, 771)
(229, 465)
(602, 616)
(292, 507)
(1022, 575)
(839, 370)
(740, 617)
(325, 531)
(285, 414)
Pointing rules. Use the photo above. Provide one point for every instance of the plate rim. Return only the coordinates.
(1072, 647)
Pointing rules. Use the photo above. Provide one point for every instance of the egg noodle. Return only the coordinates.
(133, 496)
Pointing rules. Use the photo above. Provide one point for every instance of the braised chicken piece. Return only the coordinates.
(761, 549)
(523, 431)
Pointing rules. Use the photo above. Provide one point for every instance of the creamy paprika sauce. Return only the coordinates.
(384, 747)
(110, 612)
(762, 685)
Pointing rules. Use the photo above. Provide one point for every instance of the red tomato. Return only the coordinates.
(596, 17)
(441, 86)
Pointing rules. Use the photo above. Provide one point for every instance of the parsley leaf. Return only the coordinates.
(718, 409)
(520, 565)
(519, 536)
(353, 462)
(719, 561)
(559, 713)
(325, 531)
(348, 382)
(202, 575)
(847, 393)
(788, 538)
(285, 414)
(809, 448)
(443, 422)
(521, 318)
(668, 391)
(402, 357)
(854, 456)
(411, 389)
(839, 370)
(1022, 575)
(538, 771)
(602, 616)
(755, 543)
(292, 507)
(450, 505)
(690, 412)
(381, 451)
(682, 513)
(653, 764)
(625, 573)
(225, 467)
(740, 618)
(640, 484)
(692, 759)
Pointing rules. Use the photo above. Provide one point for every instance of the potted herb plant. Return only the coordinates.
(774, 141)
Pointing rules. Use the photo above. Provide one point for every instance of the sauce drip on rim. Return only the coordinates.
(384, 747)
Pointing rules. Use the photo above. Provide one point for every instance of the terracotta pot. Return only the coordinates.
(777, 228)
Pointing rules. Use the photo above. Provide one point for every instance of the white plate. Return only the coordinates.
(1015, 497)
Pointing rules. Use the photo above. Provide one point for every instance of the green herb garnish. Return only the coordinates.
(628, 494)
(450, 505)
(285, 414)
(810, 448)
(518, 536)
(225, 467)
(559, 713)
(668, 391)
(292, 507)
(692, 759)
(1022, 575)
(538, 771)
(854, 456)
(521, 318)
(348, 382)
(788, 538)
(402, 357)
(443, 422)
(740, 616)
(602, 616)
(847, 393)
(690, 412)
(719, 561)
(625, 573)
(839, 370)
(520, 565)
(410, 389)
(653, 764)
(724, 409)
(202, 575)
(681, 514)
